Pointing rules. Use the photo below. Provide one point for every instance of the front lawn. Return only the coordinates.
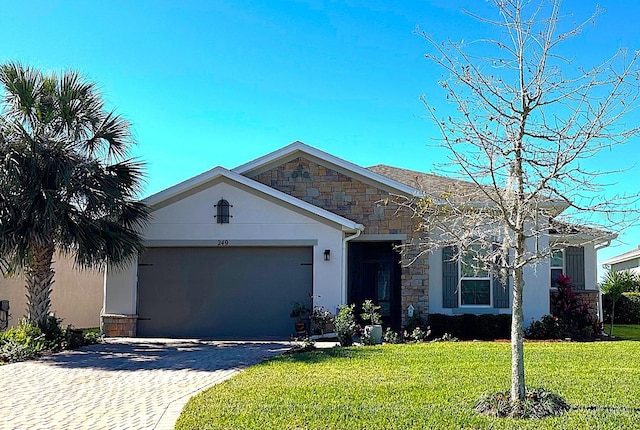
(422, 386)
(625, 331)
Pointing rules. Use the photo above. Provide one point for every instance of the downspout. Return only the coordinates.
(343, 276)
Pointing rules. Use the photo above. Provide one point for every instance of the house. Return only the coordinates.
(629, 260)
(76, 296)
(229, 251)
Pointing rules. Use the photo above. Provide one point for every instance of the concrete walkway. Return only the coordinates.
(121, 384)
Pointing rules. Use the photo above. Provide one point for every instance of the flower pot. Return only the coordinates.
(300, 327)
(375, 331)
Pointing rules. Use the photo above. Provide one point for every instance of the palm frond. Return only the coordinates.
(64, 175)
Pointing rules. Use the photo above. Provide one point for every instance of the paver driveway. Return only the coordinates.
(120, 384)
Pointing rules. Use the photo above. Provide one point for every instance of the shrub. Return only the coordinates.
(548, 327)
(627, 309)
(576, 318)
(22, 333)
(12, 351)
(391, 336)
(345, 324)
(367, 339)
(27, 341)
(56, 338)
(304, 344)
(446, 338)
(417, 335)
(23, 342)
(414, 322)
(92, 337)
(468, 326)
(538, 403)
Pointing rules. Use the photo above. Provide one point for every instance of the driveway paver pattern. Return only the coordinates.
(120, 384)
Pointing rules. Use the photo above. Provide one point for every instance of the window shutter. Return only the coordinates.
(500, 290)
(575, 266)
(449, 278)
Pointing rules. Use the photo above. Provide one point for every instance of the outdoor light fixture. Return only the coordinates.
(4, 314)
(327, 254)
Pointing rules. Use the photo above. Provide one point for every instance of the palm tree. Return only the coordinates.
(66, 180)
(614, 284)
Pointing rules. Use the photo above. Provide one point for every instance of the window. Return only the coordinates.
(222, 211)
(557, 265)
(475, 279)
(466, 282)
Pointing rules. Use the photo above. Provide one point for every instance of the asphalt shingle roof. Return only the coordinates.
(436, 185)
(429, 183)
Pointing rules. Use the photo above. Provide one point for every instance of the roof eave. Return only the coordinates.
(592, 238)
(184, 187)
(622, 258)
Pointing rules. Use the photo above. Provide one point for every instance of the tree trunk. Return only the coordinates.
(517, 351)
(39, 277)
(613, 307)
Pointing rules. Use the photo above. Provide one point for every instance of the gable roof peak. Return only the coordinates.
(186, 188)
(298, 147)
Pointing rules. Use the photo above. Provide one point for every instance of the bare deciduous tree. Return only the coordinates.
(526, 117)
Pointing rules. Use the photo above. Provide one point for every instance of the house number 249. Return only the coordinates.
(223, 242)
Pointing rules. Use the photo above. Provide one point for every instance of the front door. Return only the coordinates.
(374, 274)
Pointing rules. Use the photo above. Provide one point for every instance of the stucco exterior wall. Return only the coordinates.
(633, 265)
(257, 220)
(536, 290)
(537, 278)
(334, 190)
(590, 267)
(76, 295)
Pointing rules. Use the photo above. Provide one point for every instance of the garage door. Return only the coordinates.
(222, 293)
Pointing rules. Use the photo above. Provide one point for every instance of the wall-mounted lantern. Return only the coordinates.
(327, 254)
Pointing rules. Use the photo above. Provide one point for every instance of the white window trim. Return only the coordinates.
(475, 278)
(564, 265)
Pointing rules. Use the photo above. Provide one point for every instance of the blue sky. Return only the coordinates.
(222, 82)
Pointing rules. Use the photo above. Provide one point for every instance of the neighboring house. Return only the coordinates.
(629, 260)
(76, 295)
(230, 251)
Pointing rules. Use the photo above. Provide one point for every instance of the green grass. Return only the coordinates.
(422, 386)
(625, 331)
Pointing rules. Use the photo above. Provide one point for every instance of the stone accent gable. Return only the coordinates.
(352, 199)
(338, 193)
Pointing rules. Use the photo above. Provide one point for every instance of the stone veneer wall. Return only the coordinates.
(359, 202)
(119, 325)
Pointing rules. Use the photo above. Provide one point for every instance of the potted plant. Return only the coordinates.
(321, 318)
(373, 320)
(299, 311)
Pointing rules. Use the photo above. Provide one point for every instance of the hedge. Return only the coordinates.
(627, 310)
(468, 326)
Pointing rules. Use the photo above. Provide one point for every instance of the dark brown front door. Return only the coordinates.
(374, 274)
